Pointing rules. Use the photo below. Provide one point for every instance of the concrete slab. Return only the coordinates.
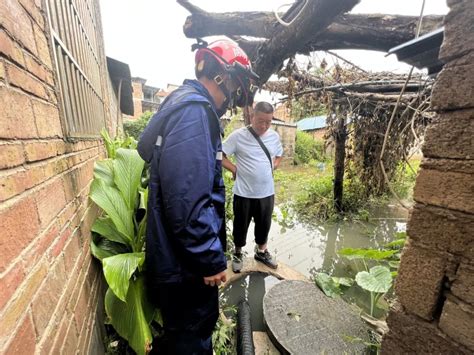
(263, 344)
(302, 320)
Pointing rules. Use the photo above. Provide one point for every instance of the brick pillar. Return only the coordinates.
(435, 286)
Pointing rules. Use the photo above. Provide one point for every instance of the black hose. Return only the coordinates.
(244, 330)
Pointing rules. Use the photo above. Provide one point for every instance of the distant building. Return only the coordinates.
(147, 97)
(315, 126)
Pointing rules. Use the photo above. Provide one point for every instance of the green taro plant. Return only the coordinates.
(377, 280)
(118, 241)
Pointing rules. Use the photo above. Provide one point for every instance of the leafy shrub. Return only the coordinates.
(136, 127)
(308, 149)
(118, 241)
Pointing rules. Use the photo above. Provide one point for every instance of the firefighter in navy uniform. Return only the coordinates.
(185, 238)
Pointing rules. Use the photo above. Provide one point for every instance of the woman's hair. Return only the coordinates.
(263, 107)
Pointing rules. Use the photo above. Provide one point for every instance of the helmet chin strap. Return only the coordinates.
(228, 95)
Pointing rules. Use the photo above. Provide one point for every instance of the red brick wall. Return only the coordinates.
(51, 289)
(435, 285)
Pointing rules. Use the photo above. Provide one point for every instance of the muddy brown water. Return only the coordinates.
(310, 248)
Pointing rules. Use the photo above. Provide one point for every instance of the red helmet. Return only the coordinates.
(234, 61)
(228, 52)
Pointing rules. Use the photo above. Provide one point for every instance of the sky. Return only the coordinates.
(148, 34)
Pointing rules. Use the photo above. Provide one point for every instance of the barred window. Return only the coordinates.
(74, 29)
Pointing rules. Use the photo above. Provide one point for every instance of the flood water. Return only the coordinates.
(310, 248)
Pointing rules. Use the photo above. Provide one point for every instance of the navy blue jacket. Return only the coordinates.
(185, 235)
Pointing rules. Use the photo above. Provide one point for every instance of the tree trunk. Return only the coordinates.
(377, 32)
(312, 20)
(340, 155)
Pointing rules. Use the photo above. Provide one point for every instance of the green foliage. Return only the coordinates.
(306, 106)
(330, 285)
(404, 178)
(377, 280)
(223, 337)
(307, 149)
(118, 241)
(135, 128)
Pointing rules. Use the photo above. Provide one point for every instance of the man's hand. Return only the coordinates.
(215, 280)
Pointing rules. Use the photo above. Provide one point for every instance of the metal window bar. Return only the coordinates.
(73, 28)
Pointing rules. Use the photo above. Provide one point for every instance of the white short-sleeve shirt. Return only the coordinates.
(254, 173)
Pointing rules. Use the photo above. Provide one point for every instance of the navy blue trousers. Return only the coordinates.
(190, 311)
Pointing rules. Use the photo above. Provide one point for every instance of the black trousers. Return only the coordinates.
(260, 209)
(190, 311)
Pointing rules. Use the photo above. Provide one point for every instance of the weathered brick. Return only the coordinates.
(38, 70)
(33, 11)
(445, 189)
(11, 49)
(411, 335)
(43, 48)
(54, 167)
(58, 245)
(458, 25)
(457, 321)
(11, 155)
(15, 19)
(23, 80)
(15, 181)
(39, 247)
(50, 200)
(47, 120)
(47, 297)
(22, 341)
(19, 224)
(463, 286)
(449, 165)
(454, 88)
(58, 339)
(72, 339)
(39, 150)
(441, 229)
(450, 136)
(16, 112)
(10, 283)
(15, 310)
(419, 280)
(2, 70)
(82, 309)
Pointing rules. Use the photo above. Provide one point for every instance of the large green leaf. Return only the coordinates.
(119, 268)
(327, 285)
(109, 144)
(104, 170)
(131, 319)
(372, 254)
(128, 167)
(378, 279)
(104, 248)
(111, 201)
(106, 228)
